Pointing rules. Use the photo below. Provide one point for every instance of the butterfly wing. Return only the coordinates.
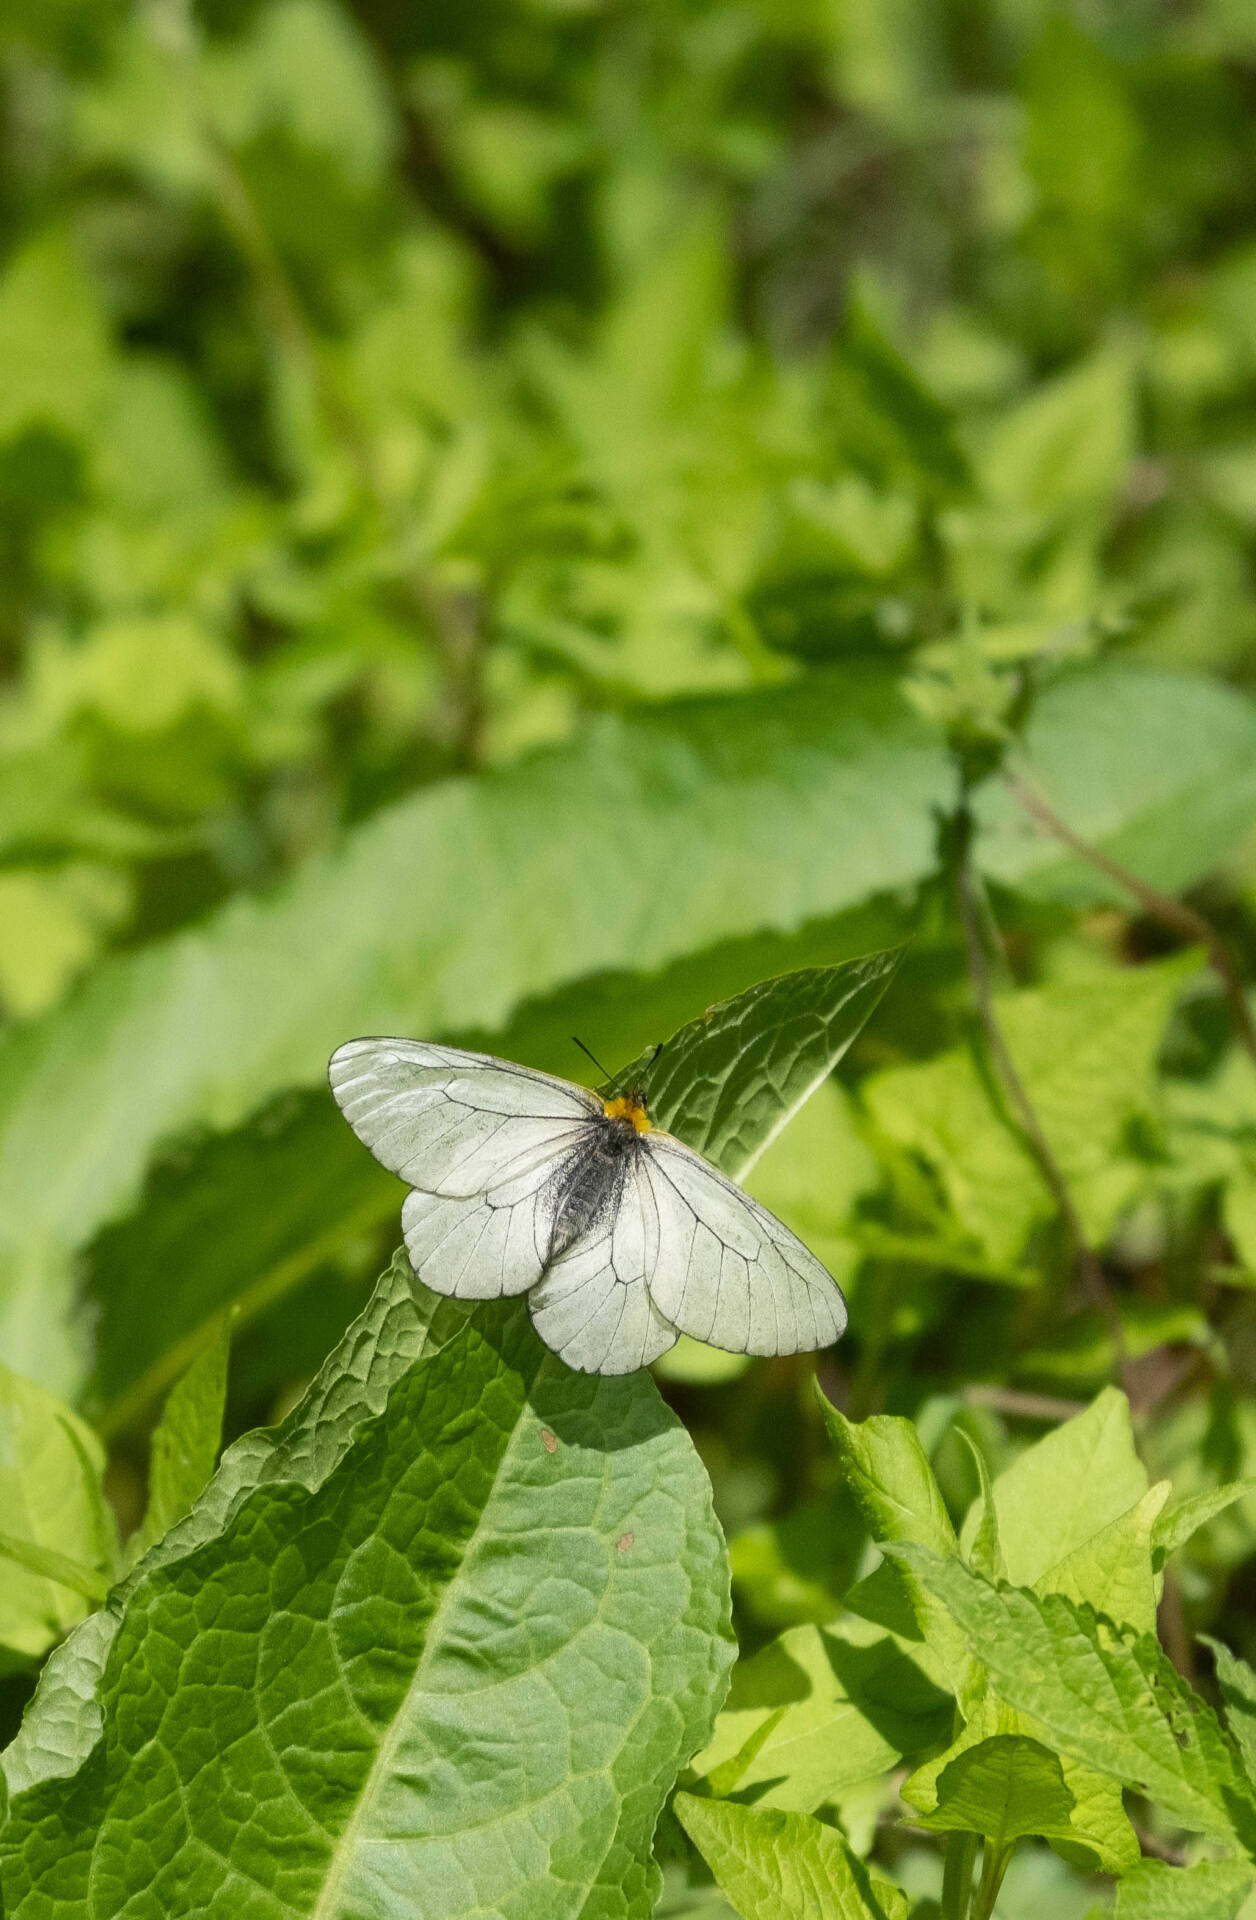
(594, 1308)
(481, 1141)
(728, 1271)
(487, 1145)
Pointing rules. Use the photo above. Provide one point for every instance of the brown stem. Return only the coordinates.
(1023, 1406)
(1159, 906)
(1174, 1631)
(1024, 1115)
(1157, 1849)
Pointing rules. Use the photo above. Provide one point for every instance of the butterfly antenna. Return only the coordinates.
(591, 1055)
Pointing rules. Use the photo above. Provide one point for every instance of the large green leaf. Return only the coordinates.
(358, 1678)
(785, 1866)
(730, 1081)
(1109, 1698)
(645, 839)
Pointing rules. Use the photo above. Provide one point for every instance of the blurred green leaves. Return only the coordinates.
(1086, 1052)
(51, 1503)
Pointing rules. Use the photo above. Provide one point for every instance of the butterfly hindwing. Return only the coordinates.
(731, 1273)
(593, 1306)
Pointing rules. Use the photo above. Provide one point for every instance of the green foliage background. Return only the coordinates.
(529, 517)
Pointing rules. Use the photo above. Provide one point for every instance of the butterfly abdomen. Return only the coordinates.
(590, 1181)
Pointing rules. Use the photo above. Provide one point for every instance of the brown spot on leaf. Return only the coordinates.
(624, 1541)
(549, 1440)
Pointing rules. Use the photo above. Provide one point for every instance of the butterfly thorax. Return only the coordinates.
(628, 1110)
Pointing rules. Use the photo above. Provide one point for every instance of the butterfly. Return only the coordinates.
(622, 1237)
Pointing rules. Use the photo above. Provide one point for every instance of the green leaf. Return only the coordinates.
(785, 1866)
(53, 337)
(1096, 1833)
(1086, 1052)
(1158, 769)
(305, 67)
(1112, 1571)
(1111, 1699)
(890, 1477)
(884, 1466)
(50, 1518)
(337, 1600)
(186, 1441)
(1065, 448)
(842, 1705)
(1065, 1488)
(1213, 1890)
(642, 840)
(1180, 1523)
(1005, 1789)
(729, 1082)
(980, 1540)
(1237, 1683)
(57, 1567)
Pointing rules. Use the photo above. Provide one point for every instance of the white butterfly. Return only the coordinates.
(622, 1237)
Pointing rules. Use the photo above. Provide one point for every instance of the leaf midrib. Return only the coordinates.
(344, 1849)
(345, 1846)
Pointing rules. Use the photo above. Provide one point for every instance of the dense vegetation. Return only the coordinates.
(531, 518)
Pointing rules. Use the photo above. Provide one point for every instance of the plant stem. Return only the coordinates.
(1023, 1114)
(994, 1865)
(1023, 1406)
(1171, 913)
(957, 1875)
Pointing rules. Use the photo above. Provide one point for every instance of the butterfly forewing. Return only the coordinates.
(454, 1122)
